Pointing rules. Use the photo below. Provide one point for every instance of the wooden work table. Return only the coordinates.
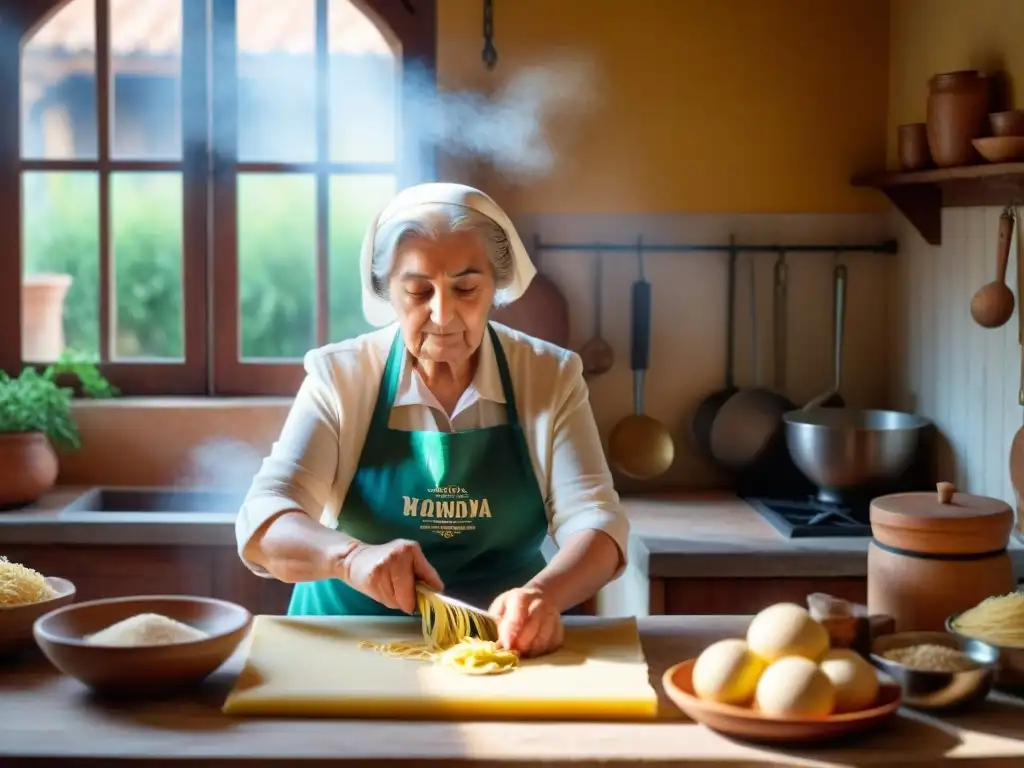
(49, 719)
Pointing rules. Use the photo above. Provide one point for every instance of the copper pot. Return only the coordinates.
(957, 114)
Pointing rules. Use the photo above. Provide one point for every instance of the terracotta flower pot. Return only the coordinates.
(42, 315)
(28, 468)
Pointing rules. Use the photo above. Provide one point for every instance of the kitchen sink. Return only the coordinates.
(156, 500)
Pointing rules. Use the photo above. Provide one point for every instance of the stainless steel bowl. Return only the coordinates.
(846, 449)
(939, 690)
(1011, 659)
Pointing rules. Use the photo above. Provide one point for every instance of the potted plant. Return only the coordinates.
(36, 418)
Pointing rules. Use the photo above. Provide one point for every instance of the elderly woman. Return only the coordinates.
(440, 448)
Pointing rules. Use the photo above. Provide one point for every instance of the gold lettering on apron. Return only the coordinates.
(427, 508)
(474, 507)
(485, 508)
(445, 509)
(409, 506)
(461, 509)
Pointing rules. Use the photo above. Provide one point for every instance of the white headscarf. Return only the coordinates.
(378, 311)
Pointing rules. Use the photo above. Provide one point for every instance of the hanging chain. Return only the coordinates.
(490, 52)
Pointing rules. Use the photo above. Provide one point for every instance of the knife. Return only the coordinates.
(486, 618)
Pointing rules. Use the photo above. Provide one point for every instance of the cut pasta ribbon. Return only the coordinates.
(456, 638)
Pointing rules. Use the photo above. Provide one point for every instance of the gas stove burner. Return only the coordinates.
(810, 517)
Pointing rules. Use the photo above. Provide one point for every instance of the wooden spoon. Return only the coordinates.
(597, 354)
(992, 304)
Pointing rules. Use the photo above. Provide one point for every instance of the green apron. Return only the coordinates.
(469, 498)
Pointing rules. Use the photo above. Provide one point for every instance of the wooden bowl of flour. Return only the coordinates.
(142, 645)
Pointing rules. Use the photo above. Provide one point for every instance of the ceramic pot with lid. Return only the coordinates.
(936, 554)
(957, 114)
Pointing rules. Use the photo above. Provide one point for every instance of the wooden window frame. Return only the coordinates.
(212, 364)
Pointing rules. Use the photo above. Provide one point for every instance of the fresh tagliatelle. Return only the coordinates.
(998, 620)
(454, 637)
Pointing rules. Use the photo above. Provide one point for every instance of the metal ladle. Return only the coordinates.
(640, 446)
(597, 354)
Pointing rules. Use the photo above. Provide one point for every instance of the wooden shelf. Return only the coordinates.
(921, 195)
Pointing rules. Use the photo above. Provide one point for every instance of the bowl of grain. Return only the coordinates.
(25, 595)
(142, 645)
(937, 670)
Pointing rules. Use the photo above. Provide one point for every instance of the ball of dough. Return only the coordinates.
(727, 672)
(854, 679)
(786, 629)
(795, 687)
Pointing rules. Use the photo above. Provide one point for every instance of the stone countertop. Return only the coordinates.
(45, 716)
(48, 522)
(716, 533)
(683, 535)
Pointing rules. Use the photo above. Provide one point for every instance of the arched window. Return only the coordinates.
(195, 177)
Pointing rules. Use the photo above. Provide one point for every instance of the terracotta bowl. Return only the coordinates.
(1000, 149)
(751, 725)
(1010, 123)
(16, 620)
(141, 670)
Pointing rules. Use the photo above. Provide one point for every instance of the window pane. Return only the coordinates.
(277, 264)
(58, 86)
(146, 226)
(355, 200)
(145, 68)
(60, 229)
(363, 85)
(276, 80)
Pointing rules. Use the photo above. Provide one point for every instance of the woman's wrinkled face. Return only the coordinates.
(442, 291)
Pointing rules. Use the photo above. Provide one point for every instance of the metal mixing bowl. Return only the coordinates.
(1011, 659)
(846, 449)
(939, 690)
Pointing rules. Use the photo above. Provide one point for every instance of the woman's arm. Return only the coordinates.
(278, 528)
(293, 547)
(579, 569)
(588, 523)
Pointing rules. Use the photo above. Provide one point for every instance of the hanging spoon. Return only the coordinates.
(598, 355)
(992, 304)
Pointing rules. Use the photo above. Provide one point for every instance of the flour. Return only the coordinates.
(146, 629)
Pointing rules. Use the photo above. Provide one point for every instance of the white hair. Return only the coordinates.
(432, 222)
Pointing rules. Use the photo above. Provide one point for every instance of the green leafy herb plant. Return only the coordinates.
(38, 402)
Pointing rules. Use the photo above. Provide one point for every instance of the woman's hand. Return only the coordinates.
(388, 572)
(530, 622)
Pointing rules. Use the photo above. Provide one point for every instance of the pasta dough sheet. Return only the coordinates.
(314, 667)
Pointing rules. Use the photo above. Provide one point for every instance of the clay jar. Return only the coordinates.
(957, 113)
(934, 555)
(28, 468)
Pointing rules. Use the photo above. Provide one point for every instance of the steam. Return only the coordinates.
(511, 128)
(221, 464)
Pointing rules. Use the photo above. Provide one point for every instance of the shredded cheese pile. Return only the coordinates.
(455, 638)
(20, 585)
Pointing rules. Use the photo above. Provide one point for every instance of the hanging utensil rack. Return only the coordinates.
(886, 246)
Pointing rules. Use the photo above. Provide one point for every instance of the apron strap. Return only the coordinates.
(506, 378)
(389, 383)
(393, 373)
